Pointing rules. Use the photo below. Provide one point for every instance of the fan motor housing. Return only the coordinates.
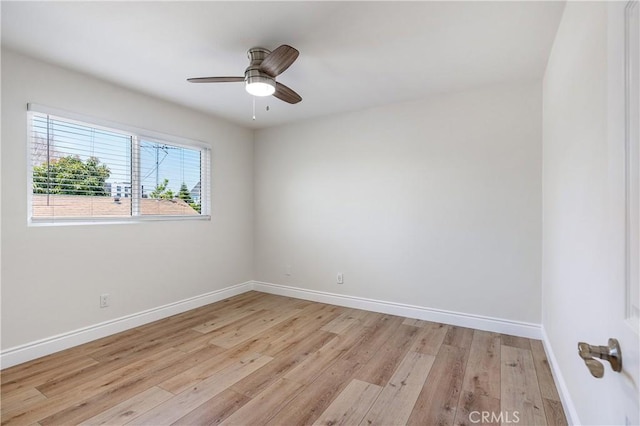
(253, 74)
(257, 54)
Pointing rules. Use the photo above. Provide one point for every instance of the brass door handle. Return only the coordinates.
(609, 353)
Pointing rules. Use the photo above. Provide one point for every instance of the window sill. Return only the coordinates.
(38, 222)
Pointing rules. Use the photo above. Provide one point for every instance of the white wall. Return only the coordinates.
(583, 264)
(52, 276)
(434, 203)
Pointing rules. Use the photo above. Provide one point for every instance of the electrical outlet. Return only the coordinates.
(340, 278)
(104, 300)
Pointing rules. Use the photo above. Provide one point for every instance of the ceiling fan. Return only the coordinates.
(260, 75)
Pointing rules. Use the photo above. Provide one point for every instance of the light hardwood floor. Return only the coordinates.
(260, 359)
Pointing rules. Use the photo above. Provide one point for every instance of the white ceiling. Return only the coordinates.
(353, 55)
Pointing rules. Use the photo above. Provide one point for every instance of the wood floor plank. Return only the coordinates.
(345, 320)
(100, 377)
(130, 409)
(188, 400)
(228, 337)
(548, 388)
(205, 369)
(519, 386)
(473, 407)
(56, 368)
(381, 366)
(220, 326)
(20, 399)
(292, 341)
(430, 338)
(171, 363)
(351, 405)
(265, 404)
(145, 346)
(401, 392)
(107, 367)
(312, 400)
(482, 375)
(370, 319)
(220, 313)
(438, 399)
(92, 400)
(50, 410)
(69, 380)
(415, 322)
(373, 338)
(163, 337)
(245, 301)
(481, 383)
(215, 410)
(186, 319)
(194, 344)
(318, 361)
(22, 396)
(554, 412)
(515, 341)
(458, 336)
(257, 381)
(218, 321)
(296, 330)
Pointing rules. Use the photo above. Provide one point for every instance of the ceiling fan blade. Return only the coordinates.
(279, 60)
(285, 94)
(215, 79)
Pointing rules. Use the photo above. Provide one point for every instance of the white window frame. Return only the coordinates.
(136, 134)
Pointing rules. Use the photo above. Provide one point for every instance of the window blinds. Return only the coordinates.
(81, 171)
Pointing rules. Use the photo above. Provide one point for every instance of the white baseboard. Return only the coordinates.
(49, 345)
(567, 403)
(497, 325)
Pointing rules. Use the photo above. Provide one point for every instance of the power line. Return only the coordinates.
(158, 147)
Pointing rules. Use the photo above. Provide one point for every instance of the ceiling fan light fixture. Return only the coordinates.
(260, 76)
(260, 86)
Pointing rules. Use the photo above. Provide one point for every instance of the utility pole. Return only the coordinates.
(157, 147)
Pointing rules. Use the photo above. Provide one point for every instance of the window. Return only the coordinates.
(83, 171)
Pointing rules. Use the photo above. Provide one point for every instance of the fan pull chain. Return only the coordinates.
(254, 108)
